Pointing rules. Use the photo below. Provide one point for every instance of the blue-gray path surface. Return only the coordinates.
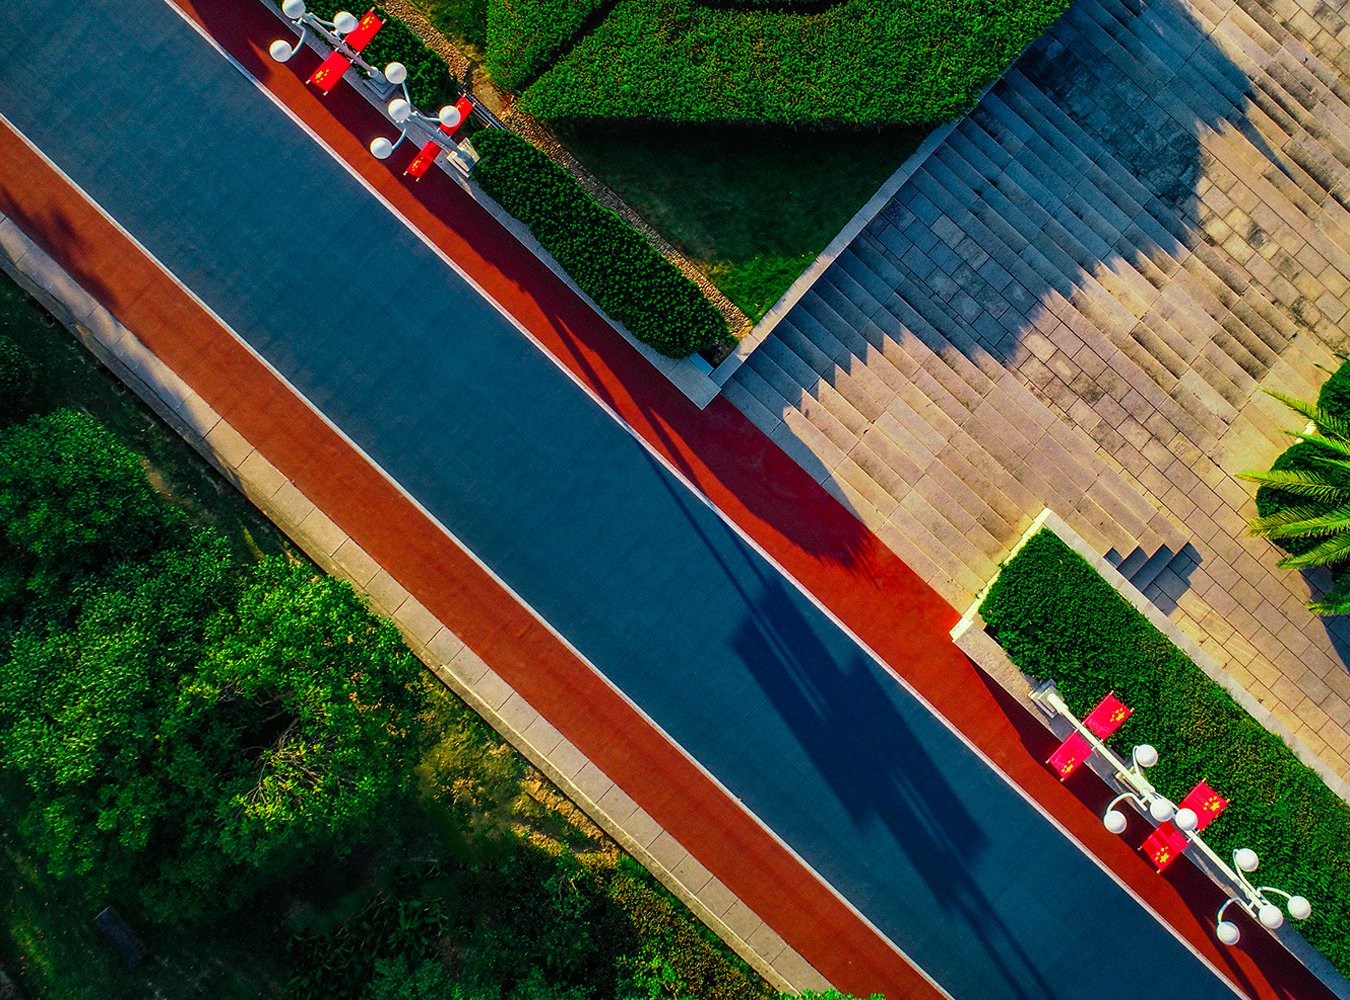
(572, 512)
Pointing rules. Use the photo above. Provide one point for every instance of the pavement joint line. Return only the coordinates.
(803, 975)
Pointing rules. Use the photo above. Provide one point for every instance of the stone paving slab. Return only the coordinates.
(447, 656)
(1141, 226)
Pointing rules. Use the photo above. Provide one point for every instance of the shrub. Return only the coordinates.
(430, 84)
(1335, 394)
(1307, 501)
(1058, 619)
(16, 374)
(858, 63)
(612, 263)
(1301, 457)
(523, 36)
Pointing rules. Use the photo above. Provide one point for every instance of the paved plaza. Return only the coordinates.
(1073, 304)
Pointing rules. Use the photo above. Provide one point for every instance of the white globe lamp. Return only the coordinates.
(1299, 907)
(344, 22)
(1115, 821)
(449, 116)
(1245, 858)
(1145, 755)
(380, 148)
(1271, 916)
(294, 9)
(396, 73)
(280, 50)
(1227, 932)
(1186, 820)
(1161, 810)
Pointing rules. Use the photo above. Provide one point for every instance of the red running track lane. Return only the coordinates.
(764, 491)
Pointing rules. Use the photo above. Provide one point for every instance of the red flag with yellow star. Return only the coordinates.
(366, 29)
(1106, 718)
(330, 71)
(1164, 845)
(1070, 754)
(465, 108)
(425, 157)
(1205, 802)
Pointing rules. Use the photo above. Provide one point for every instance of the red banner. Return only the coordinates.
(425, 157)
(366, 29)
(1106, 718)
(1205, 802)
(1070, 754)
(330, 71)
(1164, 845)
(465, 107)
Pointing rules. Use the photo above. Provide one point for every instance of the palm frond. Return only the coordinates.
(1262, 527)
(1301, 483)
(1328, 423)
(1323, 522)
(1336, 601)
(1333, 550)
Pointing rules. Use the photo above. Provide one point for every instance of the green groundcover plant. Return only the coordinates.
(855, 63)
(610, 261)
(1058, 619)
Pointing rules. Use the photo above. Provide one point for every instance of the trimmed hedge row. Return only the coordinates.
(430, 84)
(859, 63)
(612, 263)
(523, 36)
(1057, 618)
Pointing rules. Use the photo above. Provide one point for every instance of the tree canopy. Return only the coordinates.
(187, 727)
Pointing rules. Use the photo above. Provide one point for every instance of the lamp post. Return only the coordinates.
(401, 110)
(1180, 828)
(343, 23)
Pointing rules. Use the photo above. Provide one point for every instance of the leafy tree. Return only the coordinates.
(396, 979)
(187, 728)
(1320, 511)
(315, 694)
(73, 498)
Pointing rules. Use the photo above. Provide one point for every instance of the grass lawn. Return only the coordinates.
(753, 207)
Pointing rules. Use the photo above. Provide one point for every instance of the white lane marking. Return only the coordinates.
(671, 469)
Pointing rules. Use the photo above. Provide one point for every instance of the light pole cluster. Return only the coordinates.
(345, 32)
(401, 110)
(350, 36)
(1178, 827)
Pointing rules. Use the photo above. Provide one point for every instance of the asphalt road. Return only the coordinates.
(572, 511)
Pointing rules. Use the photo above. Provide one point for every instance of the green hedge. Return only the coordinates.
(430, 84)
(859, 63)
(524, 36)
(1057, 618)
(612, 263)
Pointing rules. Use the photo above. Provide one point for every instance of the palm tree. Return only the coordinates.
(1323, 519)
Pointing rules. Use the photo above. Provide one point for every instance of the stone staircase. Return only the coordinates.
(1073, 302)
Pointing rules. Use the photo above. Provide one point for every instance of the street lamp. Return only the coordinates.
(1257, 903)
(344, 23)
(401, 110)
